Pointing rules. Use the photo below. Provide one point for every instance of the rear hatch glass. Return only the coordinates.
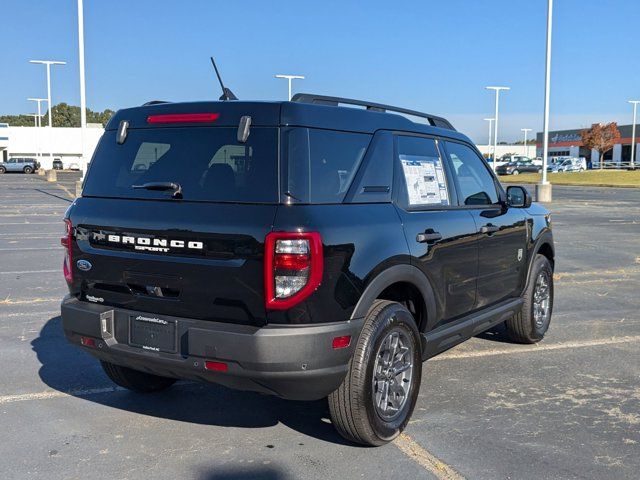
(207, 163)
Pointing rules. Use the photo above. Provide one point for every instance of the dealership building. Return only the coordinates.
(46, 144)
(568, 143)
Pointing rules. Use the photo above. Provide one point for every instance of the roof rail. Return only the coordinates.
(376, 107)
(154, 102)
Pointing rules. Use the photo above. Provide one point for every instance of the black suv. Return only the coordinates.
(302, 249)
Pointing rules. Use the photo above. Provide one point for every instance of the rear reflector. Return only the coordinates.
(341, 342)
(216, 366)
(88, 342)
(184, 118)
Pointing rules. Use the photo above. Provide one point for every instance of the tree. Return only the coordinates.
(63, 116)
(601, 137)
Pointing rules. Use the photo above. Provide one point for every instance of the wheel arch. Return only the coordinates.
(543, 246)
(401, 283)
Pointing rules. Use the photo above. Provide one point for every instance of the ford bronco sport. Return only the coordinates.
(304, 249)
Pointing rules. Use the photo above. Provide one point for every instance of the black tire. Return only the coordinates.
(2, 170)
(523, 327)
(27, 170)
(135, 380)
(353, 405)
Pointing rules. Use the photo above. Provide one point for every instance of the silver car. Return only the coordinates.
(26, 165)
(567, 165)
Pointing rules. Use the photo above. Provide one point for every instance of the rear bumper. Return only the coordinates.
(293, 362)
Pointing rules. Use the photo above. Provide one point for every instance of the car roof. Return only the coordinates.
(298, 114)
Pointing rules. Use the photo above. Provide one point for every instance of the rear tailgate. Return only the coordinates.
(194, 260)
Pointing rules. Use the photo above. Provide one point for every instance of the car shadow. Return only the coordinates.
(68, 369)
(244, 473)
(497, 333)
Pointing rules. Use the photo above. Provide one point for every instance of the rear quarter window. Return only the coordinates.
(321, 164)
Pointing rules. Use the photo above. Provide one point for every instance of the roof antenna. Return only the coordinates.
(226, 93)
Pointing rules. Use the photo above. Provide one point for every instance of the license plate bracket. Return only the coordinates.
(153, 333)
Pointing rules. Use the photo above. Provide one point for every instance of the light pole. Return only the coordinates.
(48, 64)
(83, 99)
(490, 120)
(495, 130)
(39, 124)
(633, 133)
(544, 189)
(39, 100)
(290, 78)
(35, 118)
(526, 150)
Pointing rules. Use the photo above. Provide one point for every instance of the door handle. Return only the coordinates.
(489, 229)
(428, 236)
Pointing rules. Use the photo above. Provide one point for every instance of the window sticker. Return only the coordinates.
(426, 184)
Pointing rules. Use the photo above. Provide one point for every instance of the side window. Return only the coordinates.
(475, 183)
(422, 173)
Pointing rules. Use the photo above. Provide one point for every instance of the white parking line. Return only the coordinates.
(30, 223)
(28, 248)
(425, 459)
(537, 348)
(23, 272)
(9, 301)
(49, 394)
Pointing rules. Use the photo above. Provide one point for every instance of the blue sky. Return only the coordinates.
(425, 55)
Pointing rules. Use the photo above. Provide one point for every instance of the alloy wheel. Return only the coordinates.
(392, 374)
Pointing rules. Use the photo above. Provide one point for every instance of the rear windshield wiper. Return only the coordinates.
(162, 187)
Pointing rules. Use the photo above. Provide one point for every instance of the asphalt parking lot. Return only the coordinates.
(566, 408)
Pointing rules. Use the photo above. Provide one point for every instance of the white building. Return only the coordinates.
(46, 144)
(527, 151)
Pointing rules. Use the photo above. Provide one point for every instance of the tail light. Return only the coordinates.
(66, 243)
(292, 268)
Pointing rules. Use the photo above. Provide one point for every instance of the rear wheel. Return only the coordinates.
(373, 404)
(532, 322)
(135, 380)
(27, 170)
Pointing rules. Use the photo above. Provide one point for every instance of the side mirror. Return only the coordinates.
(518, 197)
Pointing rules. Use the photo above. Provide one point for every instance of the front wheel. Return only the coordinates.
(515, 172)
(532, 322)
(375, 401)
(2, 170)
(135, 380)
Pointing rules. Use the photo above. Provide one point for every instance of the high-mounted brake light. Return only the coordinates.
(183, 118)
(65, 241)
(293, 264)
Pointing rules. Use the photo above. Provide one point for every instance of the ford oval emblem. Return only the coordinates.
(84, 265)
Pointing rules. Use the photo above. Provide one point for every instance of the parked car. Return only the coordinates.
(57, 164)
(517, 167)
(19, 164)
(568, 165)
(301, 249)
(519, 158)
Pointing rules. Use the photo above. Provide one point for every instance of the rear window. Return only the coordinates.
(321, 164)
(207, 162)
